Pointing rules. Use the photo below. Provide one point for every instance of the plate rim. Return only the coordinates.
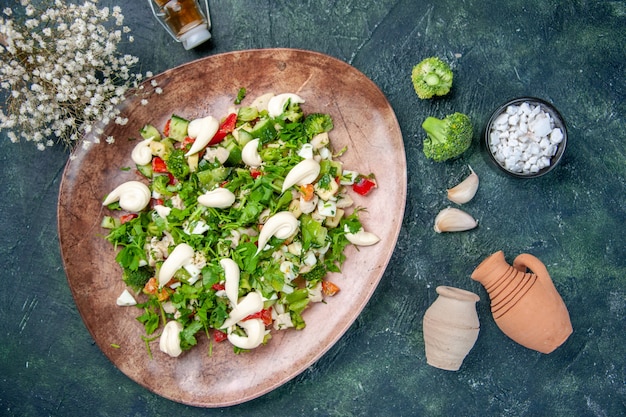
(364, 301)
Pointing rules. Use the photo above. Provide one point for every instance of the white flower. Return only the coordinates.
(62, 72)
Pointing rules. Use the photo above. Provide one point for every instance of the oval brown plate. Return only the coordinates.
(364, 122)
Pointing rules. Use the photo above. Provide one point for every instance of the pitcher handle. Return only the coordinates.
(526, 261)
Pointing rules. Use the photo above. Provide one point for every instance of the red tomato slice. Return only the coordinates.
(128, 217)
(219, 336)
(227, 126)
(363, 185)
(265, 315)
(158, 165)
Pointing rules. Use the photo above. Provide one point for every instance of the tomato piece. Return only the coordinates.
(219, 336)
(265, 315)
(187, 142)
(255, 173)
(127, 217)
(218, 287)
(166, 129)
(152, 288)
(156, 202)
(308, 191)
(227, 126)
(363, 185)
(158, 165)
(330, 289)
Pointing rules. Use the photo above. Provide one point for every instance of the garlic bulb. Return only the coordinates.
(250, 154)
(282, 225)
(170, 340)
(202, 130)
(181, 255)
(465, 190)
(454, 220)
(361, 238)
(218, 198)
(276, 104)
(132, 195)
(305, 172)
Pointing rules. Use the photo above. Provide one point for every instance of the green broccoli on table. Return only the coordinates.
(447, 138)
(431, 77)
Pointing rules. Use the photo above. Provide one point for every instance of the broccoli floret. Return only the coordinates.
(316, 274)
(316, 123)
(292, 113)
(138, 278)
(177, 165)
(447, 138)
(431, 77)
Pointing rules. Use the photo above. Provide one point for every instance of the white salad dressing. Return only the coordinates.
(202, 130)
(132, 195)
(276, 104)
(169, 341)
(142, 153)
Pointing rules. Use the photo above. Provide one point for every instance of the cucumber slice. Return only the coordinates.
(178, 128)
(149, 131)
(110, 222)
(234, 151)
(212, 177)
(145, 170)
(264, 130)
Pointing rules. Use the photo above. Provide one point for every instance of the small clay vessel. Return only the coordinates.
(450, 327)
(525, 305)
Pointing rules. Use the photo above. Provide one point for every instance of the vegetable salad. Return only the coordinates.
(233, 224)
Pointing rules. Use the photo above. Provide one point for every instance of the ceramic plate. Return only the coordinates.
(364, 122)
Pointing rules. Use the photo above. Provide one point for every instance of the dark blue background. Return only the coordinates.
(571, 53)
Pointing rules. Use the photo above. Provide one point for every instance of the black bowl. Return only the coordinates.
(515, 157)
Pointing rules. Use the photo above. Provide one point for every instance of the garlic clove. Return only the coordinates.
(218, 198)
(202, 130)
(452, 219)
(250, 154)
(305, 172)
(282, 225)
(465, 190)
(142, 153)
(255, 333)
(250, 304)
(276, 105)
(361, 238)
(132, 196)
(181, 255)
(170, 340)
(231, 273)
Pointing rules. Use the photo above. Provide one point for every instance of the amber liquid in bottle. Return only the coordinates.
(181, 15)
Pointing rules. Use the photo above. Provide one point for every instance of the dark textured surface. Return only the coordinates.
(571, 53)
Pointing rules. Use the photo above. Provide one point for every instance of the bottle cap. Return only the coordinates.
(195, 37)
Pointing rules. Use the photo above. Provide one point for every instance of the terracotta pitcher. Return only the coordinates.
(525, 305)
(450, 327)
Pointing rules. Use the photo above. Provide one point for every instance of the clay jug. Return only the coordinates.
(525, 305)
(450, 327)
